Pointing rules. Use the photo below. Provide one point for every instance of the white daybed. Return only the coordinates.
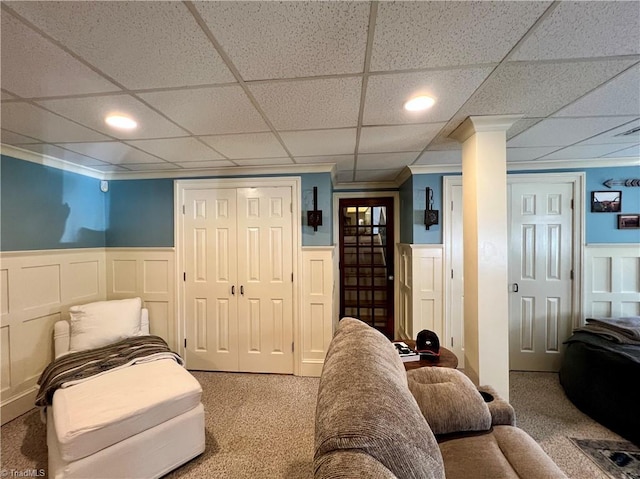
(140, 421)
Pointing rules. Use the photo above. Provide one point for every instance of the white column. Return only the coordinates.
(486, 301)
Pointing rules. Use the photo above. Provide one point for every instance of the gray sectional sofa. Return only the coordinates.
(374, 420)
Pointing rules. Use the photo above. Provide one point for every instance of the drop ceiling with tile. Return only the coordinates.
(237, 85)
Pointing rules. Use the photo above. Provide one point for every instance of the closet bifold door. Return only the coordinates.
(238, 288)
(265, 266)
(211, 307)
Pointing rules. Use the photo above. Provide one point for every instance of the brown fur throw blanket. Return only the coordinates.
(77, 367)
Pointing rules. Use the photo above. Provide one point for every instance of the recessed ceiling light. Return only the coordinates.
(419, 103)
(121, 122)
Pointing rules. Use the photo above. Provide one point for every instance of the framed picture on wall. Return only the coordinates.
(606, 201)
(628, 221)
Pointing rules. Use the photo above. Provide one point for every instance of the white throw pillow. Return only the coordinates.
(97, 324)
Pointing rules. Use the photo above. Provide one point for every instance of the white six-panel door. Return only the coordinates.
(541, 242)
(211, 308)
(265, 267)
(540, 263)
(238, 279)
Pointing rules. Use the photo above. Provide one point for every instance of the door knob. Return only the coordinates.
(390, 277)
(515, 287)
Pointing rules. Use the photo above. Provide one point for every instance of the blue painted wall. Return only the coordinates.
(324, 235)
(599, 227)
(140, 213)
(47, 208)
(603, 227)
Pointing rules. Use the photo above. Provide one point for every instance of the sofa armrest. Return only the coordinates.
(502, 413)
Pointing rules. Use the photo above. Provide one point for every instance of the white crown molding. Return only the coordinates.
(373, 185)
(293, 169)
(426, 169)
(475, 124)
(404, 175)
(33, 157)
(572, 164)
(527, 165)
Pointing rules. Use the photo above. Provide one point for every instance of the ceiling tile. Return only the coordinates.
(447, 157)
(611, 136)
(441, 142)
(112, 152)
(35, 122)
(343, 162)
(206, 164)
(538, 90)
(249, 145)
(620, 96)
(310, 104)
(34, 67)
(151, 166)
(521, 125)
(582, 152)
(565, 131)
(207, 111)
(320, 142)
(290, 39)
(139, 44)
(597, 29)
(62, 154)
(177, 150)
(434, 34)
(632, 152)
(344, 176)
(386, 139)
(93, 111)
(528, 154)
(264, 162)
(377, 175)
(11, 138)
(386, 94)
(380, 161)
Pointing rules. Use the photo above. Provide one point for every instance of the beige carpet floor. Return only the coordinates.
(543, 410)
(261, 426)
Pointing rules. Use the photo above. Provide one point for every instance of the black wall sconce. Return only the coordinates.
(314, 217)
(430, 215)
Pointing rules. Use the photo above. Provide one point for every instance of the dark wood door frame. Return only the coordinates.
(366, 241)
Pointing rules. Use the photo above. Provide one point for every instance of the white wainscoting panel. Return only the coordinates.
(36, 290)
(421, 289)
(405, 294)
(316, 328)
(612, 280)
(150, 274)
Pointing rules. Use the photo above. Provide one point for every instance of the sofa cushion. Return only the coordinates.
(364, 404)
(342, 464)
(506, 452)
(448, 400)
(109, 408)
(98, 324)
